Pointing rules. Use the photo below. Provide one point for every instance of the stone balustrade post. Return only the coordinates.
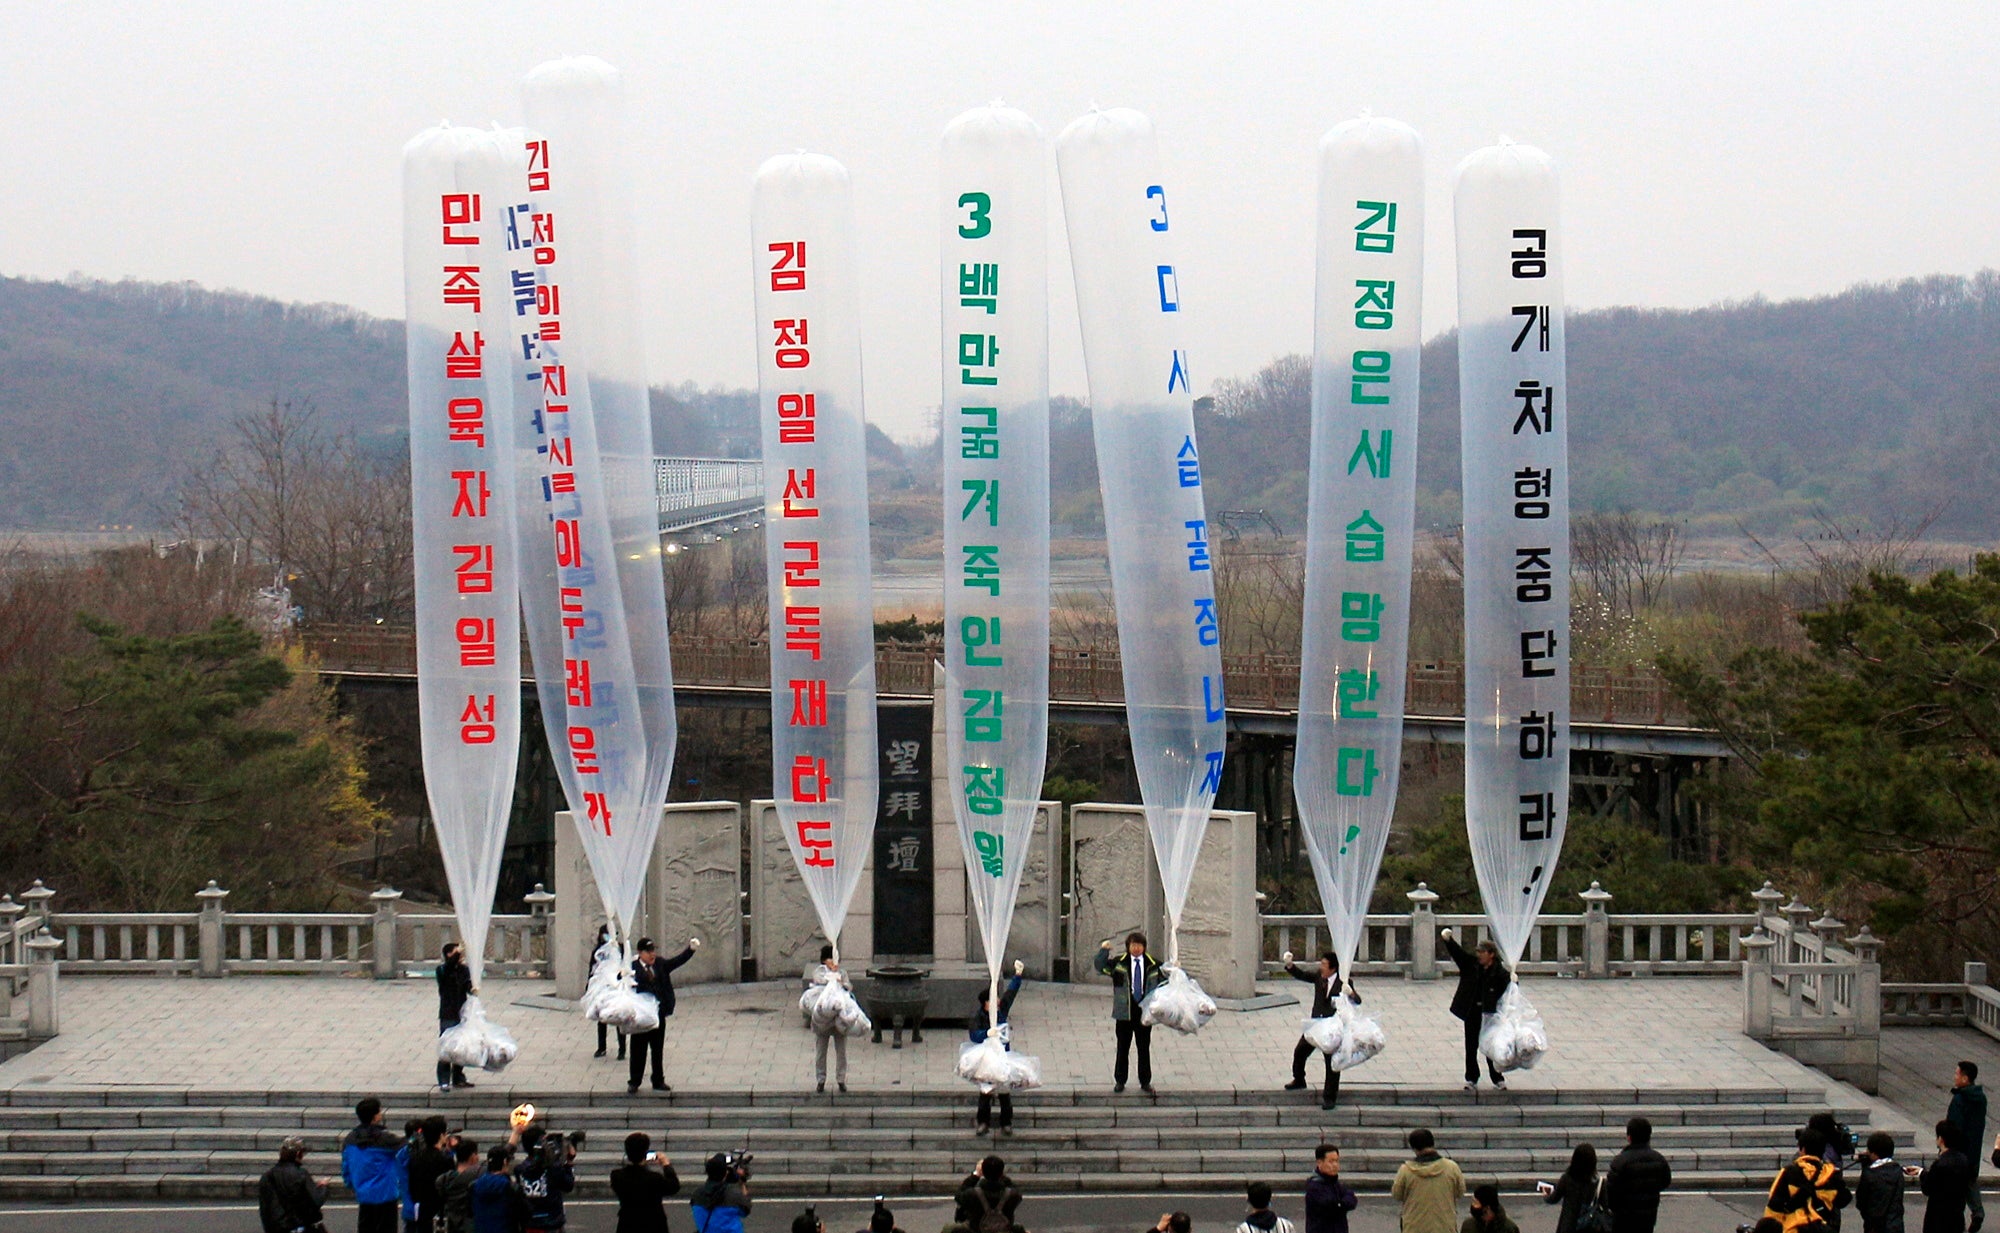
(1796, 915)
(1757, 950)
(1596, 932)
(1975, 974)
(1867, 950)
(1767, 897)
(387, 943)
(541, 904)
(1828, 928)
(1423, 933)
(211, 944)
(44, 991)
(37, 897)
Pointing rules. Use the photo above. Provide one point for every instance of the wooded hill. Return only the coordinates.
(1883, 400)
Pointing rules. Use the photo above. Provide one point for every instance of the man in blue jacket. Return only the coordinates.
(976, 1029)
(368, 1166)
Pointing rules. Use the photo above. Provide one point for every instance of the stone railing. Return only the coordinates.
(385, 943)
(29, 990)
(1812, 992)
(1595, 943)
(1973, 1003)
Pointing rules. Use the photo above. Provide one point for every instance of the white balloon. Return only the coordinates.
(1361, 511)
(824, 770)
(1149, 469)
(1514, 416)
(456, 182)
(620, 730)
(996, 513)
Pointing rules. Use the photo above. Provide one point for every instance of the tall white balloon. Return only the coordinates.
(456, 182)
(618, 688)
(996, 512)
(1119, 215)
(1514, 417)
(1361, 512)
(824, 770)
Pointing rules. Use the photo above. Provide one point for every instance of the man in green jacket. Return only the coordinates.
(1429, 1187)
(1133, 974)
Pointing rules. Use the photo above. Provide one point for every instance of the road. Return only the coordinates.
(1689, 1213)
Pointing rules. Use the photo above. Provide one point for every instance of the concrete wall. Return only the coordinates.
(1115, 888)
(694, 868)
(785, 936)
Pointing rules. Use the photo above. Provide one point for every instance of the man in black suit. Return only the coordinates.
(654, 975)
(1327, 986)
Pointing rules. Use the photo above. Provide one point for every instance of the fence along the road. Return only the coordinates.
(1626, 695)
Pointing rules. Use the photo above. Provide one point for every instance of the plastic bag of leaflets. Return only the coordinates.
(1512, 1037)
(831, 1007)
(994, 1067)
(1180, 1004)
(477, 1042)
(1348, 1037)
(611, 997)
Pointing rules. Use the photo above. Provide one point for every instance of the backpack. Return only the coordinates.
(1797, 1202)
(991, 1218)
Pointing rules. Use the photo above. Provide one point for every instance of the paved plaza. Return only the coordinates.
(275, 1033)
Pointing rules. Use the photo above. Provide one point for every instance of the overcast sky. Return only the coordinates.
(1707, 152)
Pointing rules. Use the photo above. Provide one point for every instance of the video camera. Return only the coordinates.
(736, 1165)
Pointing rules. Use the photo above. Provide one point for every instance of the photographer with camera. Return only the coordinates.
(720, 1203)
(546, 1176)
(643, 1184)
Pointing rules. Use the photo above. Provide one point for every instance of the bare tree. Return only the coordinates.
(1838, 556)
(326, 519)
(1626, 560)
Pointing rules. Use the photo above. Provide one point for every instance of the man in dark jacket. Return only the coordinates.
(368, 1166)
(977, 1026)
(987, 1196)
(1327, 987)
(455, 1188)
(1947, 1184)
(1482, 978)
(1878, 1191)
(654, 975)
(288, 1199)
(1968, 1113)
(545, 1177)
(430, 1159)
(1327, 1200)
(454, 980)
(1633, 1183)
(1133, 974)
(642, 1185)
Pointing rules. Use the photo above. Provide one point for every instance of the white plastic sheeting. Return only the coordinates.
(994, 1066)
(808, 335)
(456, 183)
(1512, 1037)
(995, 335)
(611, 995)
(1349, 1036)
(476, 1041)
(830, 1006)
(1128, 292)
(1361, 510)
(1179, 1003)
(1514, 417)
(617, 677)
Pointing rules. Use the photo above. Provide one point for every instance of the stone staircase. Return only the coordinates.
(129, 1143)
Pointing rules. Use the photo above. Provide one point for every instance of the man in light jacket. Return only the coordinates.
(828, 973)
(1429, 1187)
